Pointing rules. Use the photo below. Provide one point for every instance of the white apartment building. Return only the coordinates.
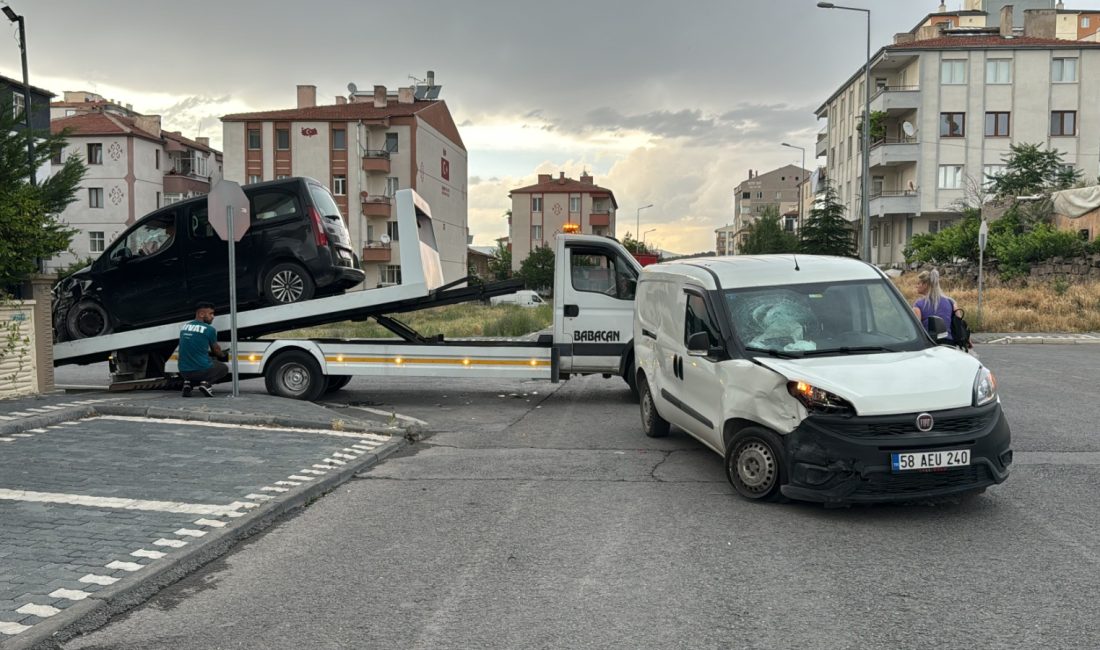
(953, 105)
(133, 168)
(365, 147)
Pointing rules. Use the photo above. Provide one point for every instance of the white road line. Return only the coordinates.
(36, 410)
(152, 555)
(7, 439)
(70, 594)
(22, 414)
(41, 611)
(290, 483)
(219, 425)
(349, 450)
(234, 514)
(6, 417)
(323, 466)
(37, 430)
(246, 504)
(22, 435)
(300, 478)
(190, 532)
(271, 488)
(124, 566)
(94, 579)
(213, 523)
(173, 543)
(53, 408)
(259, 497)
(364, 447)
(333, 461)
(11, 629)
(389, 414)
(313, 472)
(115, 502)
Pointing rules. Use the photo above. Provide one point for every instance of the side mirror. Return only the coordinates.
(698, 344)
(937, 328)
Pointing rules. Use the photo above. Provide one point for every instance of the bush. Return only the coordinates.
(1016, 253)
(957, 241)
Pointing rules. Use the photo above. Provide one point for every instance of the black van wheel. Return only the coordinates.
(754, 464)
(631, 378)
(88, 319)
(653, 424)
(336, 382)
(287, 282)
(297, 375)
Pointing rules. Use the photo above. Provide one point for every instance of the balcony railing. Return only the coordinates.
(896, 99)
(888, 152)
(375, 205)
(376, 251)
(884, 202)
(376, 160)
(376, 153)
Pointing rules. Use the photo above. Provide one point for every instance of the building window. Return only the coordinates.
(1063, 123)
(951, 177)
(391, 142)
(1085, 22)
(157, 202)
(536, 234)
(391, 230)
(95, 153)
(17, 104)
(339, 139)
(574, 204)
(952, 125)
(989, 173)
(253, 178)
(282, 139)
(746, 195)
(156, 158)
(887, 233)
(57, 153)
(95, 197)
(779, 196)
(933, 226)
(953, 71)
(96, 241)
(759, 195)
(998, 71)
(997, 125)
(1063, 70)
(254, 140)
(169, 199)
(340, 185)
(391, 274)
(391, 186)
(536, 204)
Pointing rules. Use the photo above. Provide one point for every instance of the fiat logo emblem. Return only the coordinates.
(924, 421)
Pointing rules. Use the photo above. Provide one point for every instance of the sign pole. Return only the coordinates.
(233, 299)
(983, 237)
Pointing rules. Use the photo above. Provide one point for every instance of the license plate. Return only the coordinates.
(905, 462)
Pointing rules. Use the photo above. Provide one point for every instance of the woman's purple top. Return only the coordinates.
(943, 310)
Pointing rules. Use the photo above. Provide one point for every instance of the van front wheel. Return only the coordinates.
(754, 464)
(653, 424)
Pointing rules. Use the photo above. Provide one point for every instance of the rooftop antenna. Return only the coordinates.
(795, 262)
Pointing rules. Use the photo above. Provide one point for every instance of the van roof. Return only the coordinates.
(738, 271)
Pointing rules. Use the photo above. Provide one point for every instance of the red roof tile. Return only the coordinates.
(99, 124)
(560, 186)
(188, 142)
(336, 112)
(992, 41)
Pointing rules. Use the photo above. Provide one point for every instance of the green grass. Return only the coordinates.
(452, 321)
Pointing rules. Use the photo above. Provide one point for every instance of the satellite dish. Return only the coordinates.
(908, 128)
(352, 88)
(385, 239)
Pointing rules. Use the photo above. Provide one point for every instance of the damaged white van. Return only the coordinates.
(814, 380)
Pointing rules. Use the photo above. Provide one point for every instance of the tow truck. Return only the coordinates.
(593, 302)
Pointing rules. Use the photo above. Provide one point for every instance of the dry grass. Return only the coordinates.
(1047, 307)
(452, 321)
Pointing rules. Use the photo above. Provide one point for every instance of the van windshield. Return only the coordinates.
(823, 318)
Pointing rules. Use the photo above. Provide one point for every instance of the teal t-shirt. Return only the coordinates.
(196, 338)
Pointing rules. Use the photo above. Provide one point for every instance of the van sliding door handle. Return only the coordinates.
(649, 335)
(572, 311)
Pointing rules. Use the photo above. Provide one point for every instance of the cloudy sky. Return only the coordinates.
(669, 103)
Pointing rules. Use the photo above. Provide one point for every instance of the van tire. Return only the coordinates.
(286, 283)
(755, 465)
(336, 382)
(653, 425)
(88, 319)
(631, 378)
(297, 375)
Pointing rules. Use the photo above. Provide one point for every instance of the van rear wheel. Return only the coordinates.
(287, 282)
(653, 424)
(297, 375)
(755, 464)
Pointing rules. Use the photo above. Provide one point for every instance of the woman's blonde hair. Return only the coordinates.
(931, 277)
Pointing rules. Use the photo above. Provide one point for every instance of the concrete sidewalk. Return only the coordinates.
(1036, 338)
(106, 498)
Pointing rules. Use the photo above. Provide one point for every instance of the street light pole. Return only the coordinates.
(638, 219)
(803, 177)
(13, 17)
(865, 181)
(643, 238)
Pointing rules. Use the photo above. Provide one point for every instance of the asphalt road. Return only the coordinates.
(549, 520)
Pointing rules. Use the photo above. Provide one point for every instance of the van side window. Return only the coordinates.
(198, 223)
(699, 320)
(599, 272)
(274, 204)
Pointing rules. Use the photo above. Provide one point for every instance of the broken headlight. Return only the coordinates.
(817, 400)
(985, 387)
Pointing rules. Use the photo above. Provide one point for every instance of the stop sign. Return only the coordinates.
(224, 196)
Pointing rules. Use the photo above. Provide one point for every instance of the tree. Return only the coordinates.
(825, 230)
(1031, 171)
(633, 245)
(537, 270)
(29, 230)
(500, 267)
(767, 235)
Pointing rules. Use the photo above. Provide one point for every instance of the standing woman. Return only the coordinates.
(933, 302)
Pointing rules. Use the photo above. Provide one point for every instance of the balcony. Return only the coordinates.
(376, 251)
(894, 202)
(596, 219)
(376, 160)
(376, 205)
(822, 146)
(889, 152)
(896, 99)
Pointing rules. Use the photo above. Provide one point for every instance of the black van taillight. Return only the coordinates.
(318, 227)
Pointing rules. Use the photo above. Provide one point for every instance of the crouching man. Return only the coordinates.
(198, 343)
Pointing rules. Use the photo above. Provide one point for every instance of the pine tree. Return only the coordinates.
(826, 231)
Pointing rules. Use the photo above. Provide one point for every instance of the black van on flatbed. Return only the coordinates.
(297, 247)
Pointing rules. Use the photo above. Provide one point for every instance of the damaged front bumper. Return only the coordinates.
(841, 460)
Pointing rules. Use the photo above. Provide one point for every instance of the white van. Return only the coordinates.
(813, 378)
(524, 298)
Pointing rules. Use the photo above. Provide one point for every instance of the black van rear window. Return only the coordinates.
(275, 204)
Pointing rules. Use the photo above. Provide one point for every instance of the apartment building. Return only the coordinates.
(1069, 24)
(365, 147)
(558, 205)
(952, 104)
(134, 167)
(777, 190)
(724, 239)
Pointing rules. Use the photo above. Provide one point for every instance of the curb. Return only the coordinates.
(1041, 340)
(99, 608)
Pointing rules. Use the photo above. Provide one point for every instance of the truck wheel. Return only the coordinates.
(297, 375)
(286, 283)
(653, 424)
(755, 465)
(88, 319)
(336, 382)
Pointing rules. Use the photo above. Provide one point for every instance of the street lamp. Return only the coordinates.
(638, 219)
(864, 185)
(643, 237)
(15, 18)
(803, 177)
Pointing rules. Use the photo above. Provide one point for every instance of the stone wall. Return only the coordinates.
(1068, 269)
(17, 351)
